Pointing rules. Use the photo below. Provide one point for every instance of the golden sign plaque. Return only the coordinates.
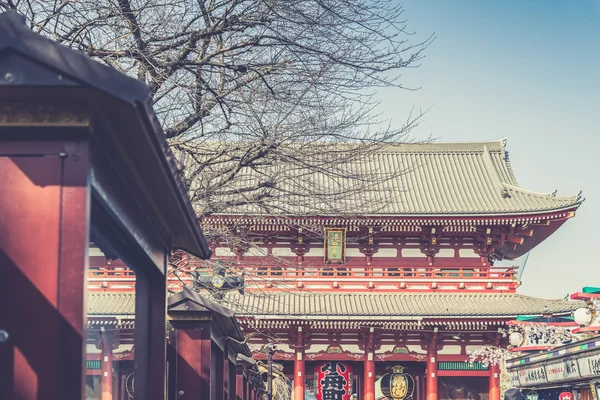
(335, 244)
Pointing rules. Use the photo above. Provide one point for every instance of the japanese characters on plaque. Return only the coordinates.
(589, 366)
(562, 370)
(514, 378)
(333, 381)
(532, 376)
(335, 245)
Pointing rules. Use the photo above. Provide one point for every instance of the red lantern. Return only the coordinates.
(565, 396)
(333, 381)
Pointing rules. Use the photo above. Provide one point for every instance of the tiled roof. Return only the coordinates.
(432, 179)
(111, 303)
(295, 304)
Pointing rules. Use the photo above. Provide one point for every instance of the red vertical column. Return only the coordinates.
(299, 376)
(226, 374)
(193, 359)
(494, 382)
(248, 392)
(240, 385)
(369, 368)
(106, 379)
(432, 378)
(44, 215)
(299, 370)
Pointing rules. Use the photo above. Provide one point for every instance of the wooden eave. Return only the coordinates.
(123, 124)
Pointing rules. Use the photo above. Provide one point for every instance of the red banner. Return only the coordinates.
(333, 381)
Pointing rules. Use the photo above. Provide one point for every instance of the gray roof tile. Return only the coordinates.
(295, 304)
(432, 179)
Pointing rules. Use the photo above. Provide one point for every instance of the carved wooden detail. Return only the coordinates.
(16, 114)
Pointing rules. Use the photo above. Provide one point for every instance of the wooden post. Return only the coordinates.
(226, 373)
(369, 368)
(217, 369)
(494, 382)
(240, 384)
(232, 378)
(299, 367)
(107, 341)
(150, 337)
(192, 344)
(299, 376)
(417, 395)
(249, 390)
(44, 214)
(432, 378)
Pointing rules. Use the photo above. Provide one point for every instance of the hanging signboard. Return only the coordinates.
(562, 370)
(397, 385)
(532, 336)
(532, 376)
(335, 245)
(589, 367)
(514, 378)
(333, 381)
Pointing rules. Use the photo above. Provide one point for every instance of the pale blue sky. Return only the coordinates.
(528, 71)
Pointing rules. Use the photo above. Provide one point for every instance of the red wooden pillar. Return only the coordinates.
(248, 390)
(240, 385)
(369, 368)
(299, 368)
(193, 346)
(494, 382)
(232, 378)
(432, 373)
(217, 377)
(106, 379)
(226, 375)
(44, 213)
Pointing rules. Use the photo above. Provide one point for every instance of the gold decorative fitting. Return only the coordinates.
(299, 240)
(397, 369)
(370, 240)
(434, 240)
(488, 241)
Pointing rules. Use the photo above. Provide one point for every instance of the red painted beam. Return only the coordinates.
(585, 296)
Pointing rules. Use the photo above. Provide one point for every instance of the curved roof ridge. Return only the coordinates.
(444, 147)
(508, 165)
(489, 165)
(526, 296)
(576, 198)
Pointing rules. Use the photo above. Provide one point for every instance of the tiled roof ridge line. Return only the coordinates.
(577, 199)
(508, 164)
(495, 146)
(491, 168)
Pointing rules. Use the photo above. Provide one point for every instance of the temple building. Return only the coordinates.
(386, 302)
